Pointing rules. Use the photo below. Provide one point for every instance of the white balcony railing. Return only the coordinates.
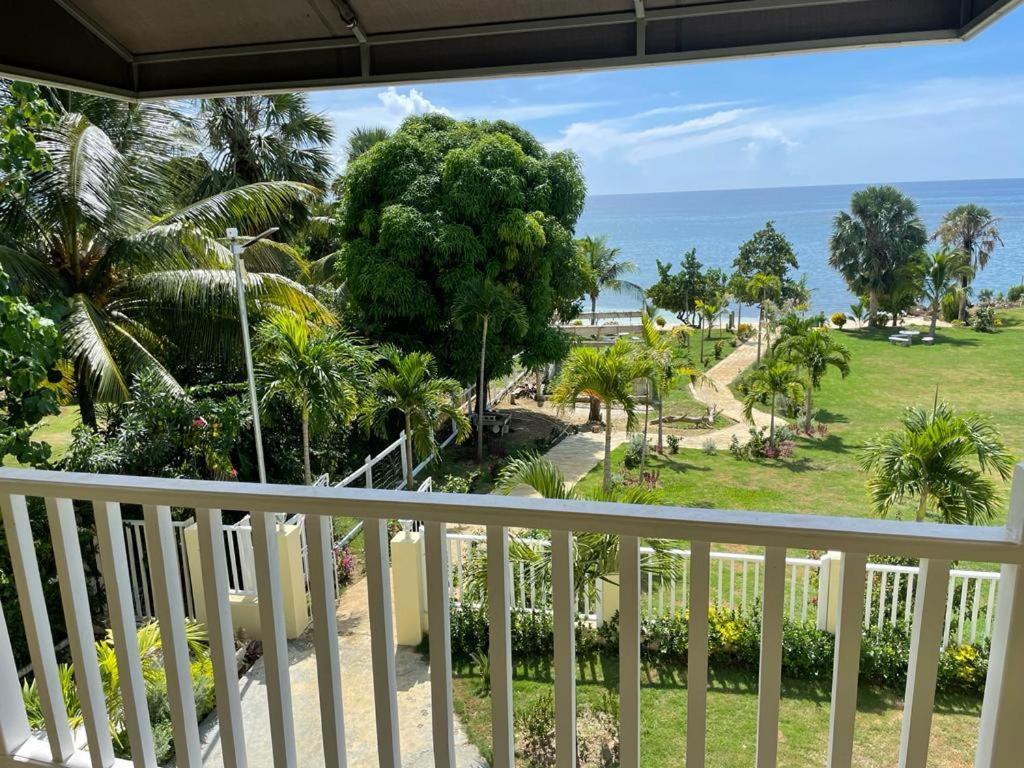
(1001, 738)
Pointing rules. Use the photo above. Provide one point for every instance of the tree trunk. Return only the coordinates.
(661, 419)
(739, 316)
(410, 461)
(647, 413)
(307, 474)
(760, 322)
(771, 424)
(480, 400)
(935, 318)
(539, 385)
(595, 411)
(807, 410)
(922, 506)
(608, 449)
(701, 347)
(872, 306)
(962, 312)
(593, 309)
(86, 403)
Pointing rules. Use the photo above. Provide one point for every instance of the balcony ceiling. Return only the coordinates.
(160, 48)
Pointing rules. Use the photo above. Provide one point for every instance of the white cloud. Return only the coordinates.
(411, 103)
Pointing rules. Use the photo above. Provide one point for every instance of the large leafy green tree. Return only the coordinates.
(93, 228)
(870, 244)
(490, 306)
(680, 292)
(975, 231)
(319, 370)
(814, 351)
(442, 202)
(23, 112)
(763, 287)
(941, 459)
(409, 384)
(29, 355)
(607, 375)
(944, 272)
(250, 139)
(604, 270)
(769, 252)
(361, 140)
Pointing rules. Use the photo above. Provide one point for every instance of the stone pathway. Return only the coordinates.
(576, 455)
(357, 701)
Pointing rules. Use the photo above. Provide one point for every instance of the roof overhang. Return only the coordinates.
(149, 49)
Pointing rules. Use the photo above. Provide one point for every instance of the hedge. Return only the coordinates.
(733, 640)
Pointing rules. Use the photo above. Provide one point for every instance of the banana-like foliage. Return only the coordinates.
(140, 281)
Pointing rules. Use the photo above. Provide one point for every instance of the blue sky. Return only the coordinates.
(913, 113)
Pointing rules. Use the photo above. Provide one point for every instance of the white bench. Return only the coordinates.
(903, 341)
(927, 339)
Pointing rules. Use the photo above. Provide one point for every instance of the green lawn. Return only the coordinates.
(972, 371)
(55, 430)
(732, 717)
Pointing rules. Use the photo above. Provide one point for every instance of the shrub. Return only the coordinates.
(744, 331)
(634, 451)
(983, 319)
(709, 447)
(659, 321)
(457, 483)
(839, 320)
(673, 444)
(719, 349)
(1015, 293)
(986, 295)
(346, 565)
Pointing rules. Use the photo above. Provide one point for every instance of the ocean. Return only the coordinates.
(647, 227)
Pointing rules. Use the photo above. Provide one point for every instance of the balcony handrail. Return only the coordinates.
(765, 529)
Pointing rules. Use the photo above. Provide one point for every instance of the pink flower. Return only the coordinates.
(234, 472)
(200, 422)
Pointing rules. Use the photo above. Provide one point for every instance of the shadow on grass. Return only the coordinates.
(832, 444)
(675, 464)
(826, 416)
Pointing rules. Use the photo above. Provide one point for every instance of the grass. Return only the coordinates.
(55, 430)
(973, 371)
(732, 716)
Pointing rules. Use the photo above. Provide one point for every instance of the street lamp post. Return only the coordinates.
(236, 252)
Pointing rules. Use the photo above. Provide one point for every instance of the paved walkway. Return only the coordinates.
(357, 701)
(576, 455)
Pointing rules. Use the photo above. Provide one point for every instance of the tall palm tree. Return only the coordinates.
(606, 375)
(881, 232)
(941, 459)
(973, 230)
(775, 377)
(602, 269)
(362, 140)
(944, 272)
(319, 370)
(491, 305)
(813, 352)
(138, 281)
(659, 348)
(263, 138)
(764, 287)
(409, 384)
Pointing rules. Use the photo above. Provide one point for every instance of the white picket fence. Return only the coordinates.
(736, 582)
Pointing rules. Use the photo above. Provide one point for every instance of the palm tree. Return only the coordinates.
(263, 138)
(409, 384)
(319, 370)
(138, 282)
(973, 230)
(774, 377)
(858, 311)
(813, 352)
(602, 270)
(710, 309)
(941, 459)
(764, 287)
(606, 375)
(881, 232)
(944, 272)
(362, 140)
(492, 305)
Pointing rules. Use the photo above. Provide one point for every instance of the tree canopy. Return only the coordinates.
(442, 202)
(768, 252)
(681, 292)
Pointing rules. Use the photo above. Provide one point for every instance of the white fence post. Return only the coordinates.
(406, 569)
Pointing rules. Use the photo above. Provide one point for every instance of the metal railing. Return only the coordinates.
(935, 545)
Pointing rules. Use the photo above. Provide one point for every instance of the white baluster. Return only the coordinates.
(500, 647)
(847, 660)
(697, 654)
(438, 616)
(629, 652)
(14, 730)
(564, 605)
(382, 643)
(769, 688)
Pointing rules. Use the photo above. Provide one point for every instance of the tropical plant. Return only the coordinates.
(441, 202)
(679, 292)
(319, 370)
(409, 384)
(137, 282)
(764, 287)
(607, 375)
(23, 112)
(944, 272)
(363, 139)
(858, 311)
(768, 252)
(603, 270)
(253, 139)
(973, 230)
(941, 459)
(773, 378)
(869, 244)
(491, 306)
(813, 353)
(660, 348)
(838, 319)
